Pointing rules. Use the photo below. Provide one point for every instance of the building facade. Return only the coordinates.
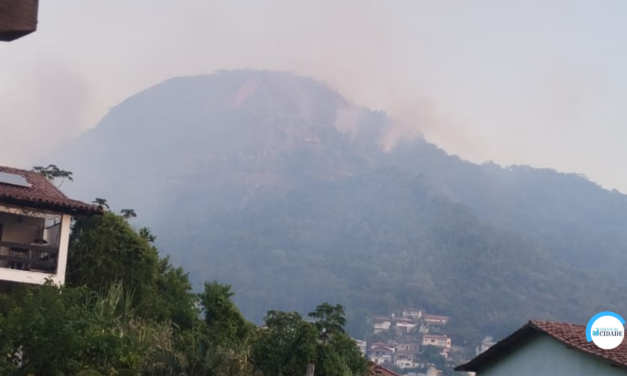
(543, 348)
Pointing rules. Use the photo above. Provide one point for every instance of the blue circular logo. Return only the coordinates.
(606, 330)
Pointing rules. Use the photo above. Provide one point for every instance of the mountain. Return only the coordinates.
(278, 185)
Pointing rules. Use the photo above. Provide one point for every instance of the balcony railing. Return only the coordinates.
(30, 257)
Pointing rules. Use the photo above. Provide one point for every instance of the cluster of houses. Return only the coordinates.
(412, 332)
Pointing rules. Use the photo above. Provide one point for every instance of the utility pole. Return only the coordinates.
(18, 18)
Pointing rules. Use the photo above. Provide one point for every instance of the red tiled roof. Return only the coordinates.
(571, 335)
(42, 194)
(377, 370)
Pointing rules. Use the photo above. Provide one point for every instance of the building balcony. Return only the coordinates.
(33, 245)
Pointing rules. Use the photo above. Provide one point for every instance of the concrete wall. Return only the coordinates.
(544, 356)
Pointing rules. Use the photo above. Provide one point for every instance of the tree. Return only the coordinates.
(432, 355)
(145, 233)
(348, 352)
(104, 250)
(63, 331)
(225, 323)
(285, 346)
(128, 213)
(195, 355)
(52, 173)
(329, 320)
(101, 202)
(177, 300)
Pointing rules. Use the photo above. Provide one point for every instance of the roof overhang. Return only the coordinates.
(502, 348)
(54, 207)
(520, 337)
(18, 18)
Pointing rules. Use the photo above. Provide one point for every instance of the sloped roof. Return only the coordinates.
(436, 336)
(382, 349)
(377, 370)
(571, 335)
(41, 194)
(436, 317)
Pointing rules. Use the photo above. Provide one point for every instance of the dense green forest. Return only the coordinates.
(279, 186)
(126, 310)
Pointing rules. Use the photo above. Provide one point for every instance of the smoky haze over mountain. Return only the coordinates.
(521, 83)
(292, 193)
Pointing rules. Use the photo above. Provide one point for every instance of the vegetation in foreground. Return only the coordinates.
(127, 311)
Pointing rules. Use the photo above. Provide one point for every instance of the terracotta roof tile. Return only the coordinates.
(574, 336)
(377, 370)
(41, 194)
(571, 335)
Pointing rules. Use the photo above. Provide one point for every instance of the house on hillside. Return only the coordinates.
(436, 340)
(381, 354)
(377, 370)
(382, 323)
(17, 18)
(436, 320)
(440, 341)
(543, 348)
(406, 359)
(431, 371)
(404, 326)
(362, 345)
(413, 347)
(35, 218)
(412, 313)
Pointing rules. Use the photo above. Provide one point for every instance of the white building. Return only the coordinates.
(406, 359)
(436, 320)
(413, 347)
(436, 340)
(431, 371)
(35, 218)
(543, 348)
(382, 323)
(412, 313)
(362, 345)
(381, 354)
(405, 325)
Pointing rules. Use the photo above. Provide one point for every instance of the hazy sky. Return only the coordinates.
(541, 82)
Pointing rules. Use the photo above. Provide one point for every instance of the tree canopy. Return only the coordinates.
(126, 310)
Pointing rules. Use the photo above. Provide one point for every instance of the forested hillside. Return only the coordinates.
(279, 186)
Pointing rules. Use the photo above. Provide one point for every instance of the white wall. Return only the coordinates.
(544, 356)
